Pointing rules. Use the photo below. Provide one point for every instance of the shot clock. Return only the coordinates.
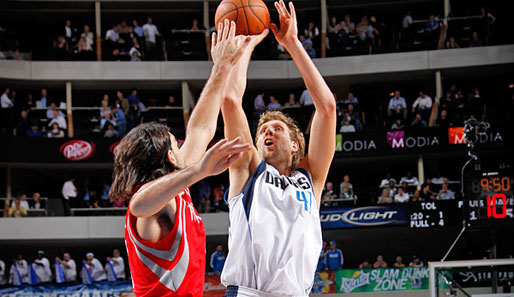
(490, 196)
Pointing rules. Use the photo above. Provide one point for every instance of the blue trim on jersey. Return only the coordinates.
(302, 170)
(231, 291)
(248, 190)
(225, 196)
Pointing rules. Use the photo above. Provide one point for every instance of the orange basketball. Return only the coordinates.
(251, 16)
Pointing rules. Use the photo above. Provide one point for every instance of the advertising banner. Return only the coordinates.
(383, 280)
(213, 286)
(103, 289)
(367, 216)
(483, 276)
(324, 282)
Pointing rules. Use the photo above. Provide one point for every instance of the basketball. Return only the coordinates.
(251, 16)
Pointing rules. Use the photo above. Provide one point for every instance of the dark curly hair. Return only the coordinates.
(141, 157)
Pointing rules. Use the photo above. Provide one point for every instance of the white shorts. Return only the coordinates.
(238, 291)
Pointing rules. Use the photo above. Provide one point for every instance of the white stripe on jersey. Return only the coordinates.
(275, 234)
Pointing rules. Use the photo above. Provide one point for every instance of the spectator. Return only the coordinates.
(51, 109)
(365, 264)
(150, 32)
(365, 31)
(416, 262)
(445, 193)
(397, 106)
(345, 194)
(2, 272)
(348, 25)
(446, 101)
(89, 37)
(307, 45)
(475, 105)
(92, 268)
(69, 194)
(217, 259)
(68, 267)
(346, 184)
(42, 268)
(422, 105)
(19, 272)
(406, 188)
(274, 104)
(110, 132)
(104, 198)
(292, 102)
(115, 267)
(432, 27)
(104, 106)
(426, 194)
(322, 261)
(112, 36)
(443, 120)
(135, 51)
(475, 40)
(194, 26)
(401, 196)
(120, 119)
(418, 122)
(407, 20)
(123, 102)
(334, 258)
(217, 196)
(398, 262)
(397, 125)
(311, 32)
(351, 99)
(133, 115)
(380, 263)
(385, 198)
(30, 103)
(428, 182)
(335, 32)
(137, 29)
(61, 121)
(34, 131)
(37, 203)
(452, 43)
(84, 50)
(391, 188)
(17, 211)
(258, 104)
(347, 127)
(386, 180)
(86, 201)
(55, 131)
(354, 116)
(410, 179)
(23, 201)
(44, 100)
(61, 49)
(329, 193)
(438, 179)
(204, 194)
(6, 102)
(70, 33)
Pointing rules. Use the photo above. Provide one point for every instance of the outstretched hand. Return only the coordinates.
(288, 32)
(225, 46)
(219, 157)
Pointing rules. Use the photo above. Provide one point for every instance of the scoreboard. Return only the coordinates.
(434, 214)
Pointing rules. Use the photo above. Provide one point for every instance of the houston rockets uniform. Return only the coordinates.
(174, 265)
(274, 235)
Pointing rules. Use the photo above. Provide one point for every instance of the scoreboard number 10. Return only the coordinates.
(491, 206)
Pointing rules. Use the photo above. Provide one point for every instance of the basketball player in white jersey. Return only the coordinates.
(275, 191)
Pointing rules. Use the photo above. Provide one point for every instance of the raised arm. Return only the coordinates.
(226, 51)
(234, 118)
(322, 141)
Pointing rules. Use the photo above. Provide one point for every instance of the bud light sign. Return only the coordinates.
(368, 216)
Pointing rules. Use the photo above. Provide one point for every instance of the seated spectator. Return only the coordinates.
(34, 130)
(386, 180)
(328, 192)
(422, 105)
(335, 257)
(217, 197)
(365, 264)
(120, 119)
(291, 102)
(93, 269)
(17, 211)
(104, 198)
(446, 101)
(438, 179)
(348, 25)
(23, 124)
(418, 122)
(345, 194)
(416, 262)
(380, 263)
(443, 120)
(398, 262)
(346, 184)
(112, 35)
(391, 188)
(29, 103)
(355, 118)
(451, 43)
(406, 188)
(351, 99)
(55, 131)
(61, 121)
(110, 132)
(107, 118)
(37, 203)
(194, 26)
(475, 40)
(385, 198)
(135, 50)
(397, 106)
(401, 196)
(426, 194)
(23, 201)
(307, 45)
(84, 49)
(274, 104)
(365, 31)
(347, 127)
(311, 32)
(445, 193)
(410, 179)
(51, 109)
(397, 125)
(89, 37)
(428, 181)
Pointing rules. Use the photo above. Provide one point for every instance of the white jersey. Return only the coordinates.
(274, 234)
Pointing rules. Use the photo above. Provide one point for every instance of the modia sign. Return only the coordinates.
(456, 136)
(399, 140)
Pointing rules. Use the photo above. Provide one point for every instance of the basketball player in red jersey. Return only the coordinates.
(164, 235)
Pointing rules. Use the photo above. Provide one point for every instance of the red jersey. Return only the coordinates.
(174, 265)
